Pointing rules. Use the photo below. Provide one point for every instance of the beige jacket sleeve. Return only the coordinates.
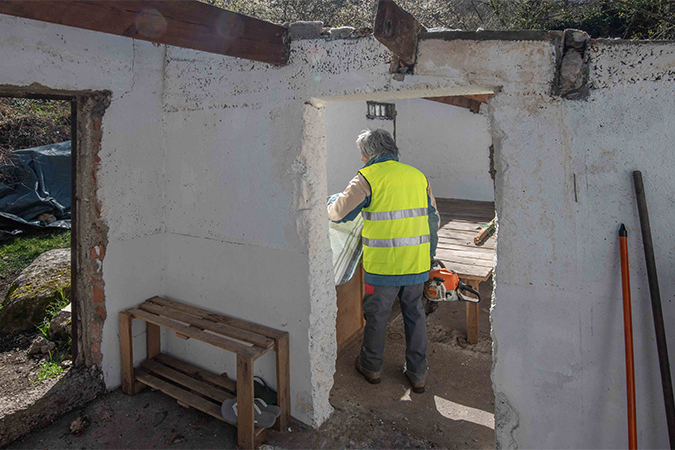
(356, 192)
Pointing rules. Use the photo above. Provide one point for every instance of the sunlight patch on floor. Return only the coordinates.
(455, 411)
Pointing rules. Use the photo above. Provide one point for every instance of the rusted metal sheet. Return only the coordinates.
(397, 30)
(183, 23)
(458, 100)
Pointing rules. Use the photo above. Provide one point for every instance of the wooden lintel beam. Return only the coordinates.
(458, 100)
(397, 30)
(182, 23)
(483, 98)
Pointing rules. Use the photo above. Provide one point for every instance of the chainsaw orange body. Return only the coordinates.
(450, 279)
(444, 285)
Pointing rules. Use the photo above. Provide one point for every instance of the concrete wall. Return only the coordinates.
(557, 318)
(449, 144)
(213, 182)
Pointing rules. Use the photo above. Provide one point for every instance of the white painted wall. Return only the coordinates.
(219, 174)
(130, 175)
(344, 123)
(557, 317)
(449, 144)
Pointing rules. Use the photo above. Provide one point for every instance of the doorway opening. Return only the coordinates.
(51, 313)
(449, 139)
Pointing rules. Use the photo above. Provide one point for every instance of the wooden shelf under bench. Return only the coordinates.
(193, 386)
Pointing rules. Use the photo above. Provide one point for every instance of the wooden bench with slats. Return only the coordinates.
(193, 386)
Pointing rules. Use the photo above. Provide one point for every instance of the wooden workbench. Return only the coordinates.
(459, 222)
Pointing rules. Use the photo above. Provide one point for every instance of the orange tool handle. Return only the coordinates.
(628, 334)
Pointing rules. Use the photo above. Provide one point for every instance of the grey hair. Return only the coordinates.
(373, 143)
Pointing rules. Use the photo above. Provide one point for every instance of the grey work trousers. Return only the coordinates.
(376, 310)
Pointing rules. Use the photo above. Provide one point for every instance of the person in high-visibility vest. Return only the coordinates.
(400, 226)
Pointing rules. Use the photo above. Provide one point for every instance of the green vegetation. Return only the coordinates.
(26, 123)
(18, 253)
(630, 19)
(49, 369)
(52, 309)
(52, 367)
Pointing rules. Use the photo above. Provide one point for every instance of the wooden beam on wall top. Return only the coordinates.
(397, 30)
(458, 100)
(182, 23)
(483, 98)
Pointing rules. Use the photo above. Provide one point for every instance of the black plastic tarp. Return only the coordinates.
(35, 189)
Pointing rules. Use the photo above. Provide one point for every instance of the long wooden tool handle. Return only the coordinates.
(628, 335)
(661, 344)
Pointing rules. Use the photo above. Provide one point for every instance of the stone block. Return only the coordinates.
(305, 30)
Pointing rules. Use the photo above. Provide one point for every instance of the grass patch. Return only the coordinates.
(52, 309)
(18, 253)
(49, 369)
(26, 123)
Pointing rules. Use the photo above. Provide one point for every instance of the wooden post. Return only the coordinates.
(126, 353)
(182, 23)
(283, 383)
(397, 30)
(472, 326)
(152, 339)
(657, 312)
(246, 414)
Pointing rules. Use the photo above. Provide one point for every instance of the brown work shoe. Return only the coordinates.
(417, 386)
(371, 377)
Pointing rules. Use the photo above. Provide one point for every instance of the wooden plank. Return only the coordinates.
(483, 98)
(461, 226)
(219, 395)
(450, 206)
(460, 201)
(192, 370)
(464, 270)
(397, 30)
(350, 311)
(457, 244)
(225, 330)
(457, 100)
(472, 312)
(126, 353)
(448, 232)
(245, 428)
(472, 325)
(283, 383)
(468, 253)
(183, 23)
(451, 243)
(203, 336)
(220, 318)
(152, 340)
(473, 216)
(479, 264)
(180, 394)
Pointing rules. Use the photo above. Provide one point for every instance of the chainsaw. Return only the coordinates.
(444, 286)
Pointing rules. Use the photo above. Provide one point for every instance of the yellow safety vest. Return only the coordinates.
(396, 237)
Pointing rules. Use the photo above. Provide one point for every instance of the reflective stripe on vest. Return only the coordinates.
(401, 214)
(396, 237)
(397, 242)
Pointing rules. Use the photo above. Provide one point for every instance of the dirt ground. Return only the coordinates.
(18, 371)
(456, 411)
